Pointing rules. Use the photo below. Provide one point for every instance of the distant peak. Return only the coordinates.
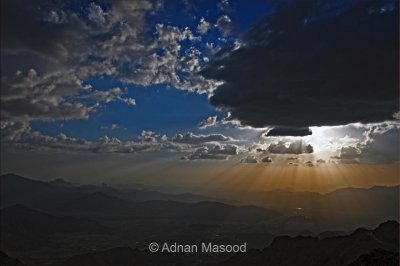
(11, 175)
(60, 182)
(359, 231)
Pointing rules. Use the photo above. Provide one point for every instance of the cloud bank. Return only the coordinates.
(311, 64)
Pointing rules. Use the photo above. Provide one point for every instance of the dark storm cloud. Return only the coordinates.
(40, 33)
(281, 131)
(313, 63)
(62, 33)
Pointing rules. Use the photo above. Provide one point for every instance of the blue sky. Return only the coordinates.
(158, 108)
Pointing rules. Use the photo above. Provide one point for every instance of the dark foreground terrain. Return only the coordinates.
(362, 247)
(59, 223)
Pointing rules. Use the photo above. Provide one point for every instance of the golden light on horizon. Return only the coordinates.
(324, 177)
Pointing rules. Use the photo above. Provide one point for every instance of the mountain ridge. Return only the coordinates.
(336, 250)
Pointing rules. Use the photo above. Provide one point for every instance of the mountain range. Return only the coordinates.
(61, 223)
(16, 189)
(342, 209)
(378, 246)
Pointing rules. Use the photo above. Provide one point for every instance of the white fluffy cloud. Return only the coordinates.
(203, 26)
(214, 152)
(114, 94)
(208, 122)
(96, 13)
(190, 138)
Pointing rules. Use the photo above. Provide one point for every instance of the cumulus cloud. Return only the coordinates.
(348, 153)
(18, 135)
(56, 96)
(250, 159)
(295, 147)
(228, 119)
(96, 13)
(37, 141)
(28, 96)
(266, 159)
(190, 138)
(382, 144)
(170, 67)
(203, 26)
(225, 25)
(114, 94)
(12, 131)
(379, 145)
(282, 75)
(208, 122)
(214, 152)
(227, 149)
(148, 136)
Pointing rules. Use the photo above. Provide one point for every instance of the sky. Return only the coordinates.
(190, 93)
